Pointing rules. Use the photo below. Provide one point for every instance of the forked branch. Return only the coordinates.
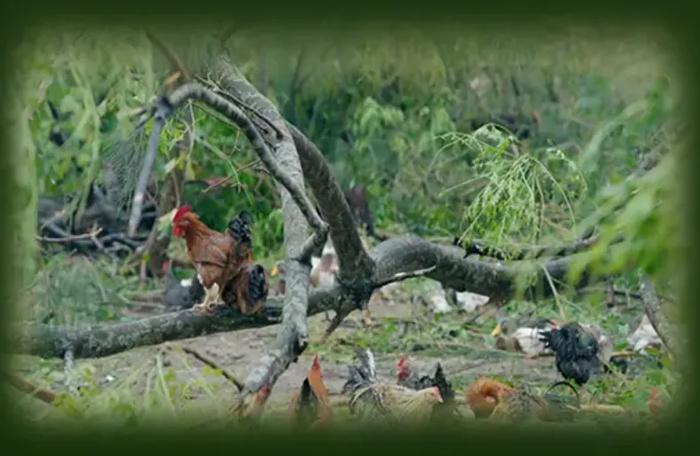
(195, 91)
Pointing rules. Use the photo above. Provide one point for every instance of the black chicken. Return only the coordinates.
(409, 379)
(575, 349)
(181, 294)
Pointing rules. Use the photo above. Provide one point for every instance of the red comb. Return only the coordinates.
(316, 365)
(402, 361)
(181, 211)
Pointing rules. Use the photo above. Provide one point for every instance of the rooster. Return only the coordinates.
(406, 377)
(222, 260)
(372, 399)
(310, 407)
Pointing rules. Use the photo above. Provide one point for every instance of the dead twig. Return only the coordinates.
(44, 395)
(651, 308)
(398, 277)
(162, 111)
(71, 237)
(211, 363)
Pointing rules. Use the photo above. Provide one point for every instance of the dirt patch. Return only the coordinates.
(238, 351)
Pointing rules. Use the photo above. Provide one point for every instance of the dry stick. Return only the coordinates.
(211, 363)
(69, 238)
(651, 308)
(554, 292)
(400, 276)
(161, 114)
(25, 386)
(160, 111)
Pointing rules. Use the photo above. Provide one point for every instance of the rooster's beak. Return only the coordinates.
(497, 331)
(274, 271)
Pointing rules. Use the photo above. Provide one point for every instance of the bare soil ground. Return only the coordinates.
(238, 351)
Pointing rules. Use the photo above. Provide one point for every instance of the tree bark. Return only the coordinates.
(293, 336)
(393, 258)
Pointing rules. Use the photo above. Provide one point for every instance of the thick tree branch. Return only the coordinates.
(396, 260)
(352, 256)
(356, 267)
(477, 247)
(100, 340)
(293, 336)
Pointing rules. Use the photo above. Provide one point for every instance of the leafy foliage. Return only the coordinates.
(517, 140)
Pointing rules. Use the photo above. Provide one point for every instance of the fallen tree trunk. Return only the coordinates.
(394, 258)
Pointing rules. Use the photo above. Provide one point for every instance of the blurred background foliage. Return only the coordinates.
(527, 138)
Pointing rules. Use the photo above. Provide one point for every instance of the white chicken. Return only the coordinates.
(324, 269)
(469, 302)
(644, 336)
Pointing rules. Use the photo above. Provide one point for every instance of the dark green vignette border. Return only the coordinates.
(678, 18)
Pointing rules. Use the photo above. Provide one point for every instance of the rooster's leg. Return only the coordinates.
(366, 318)
(212, 299)
(215, 295)
(204, 305)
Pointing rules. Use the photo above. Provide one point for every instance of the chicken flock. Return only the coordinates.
(430, 397)
(226, 275)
